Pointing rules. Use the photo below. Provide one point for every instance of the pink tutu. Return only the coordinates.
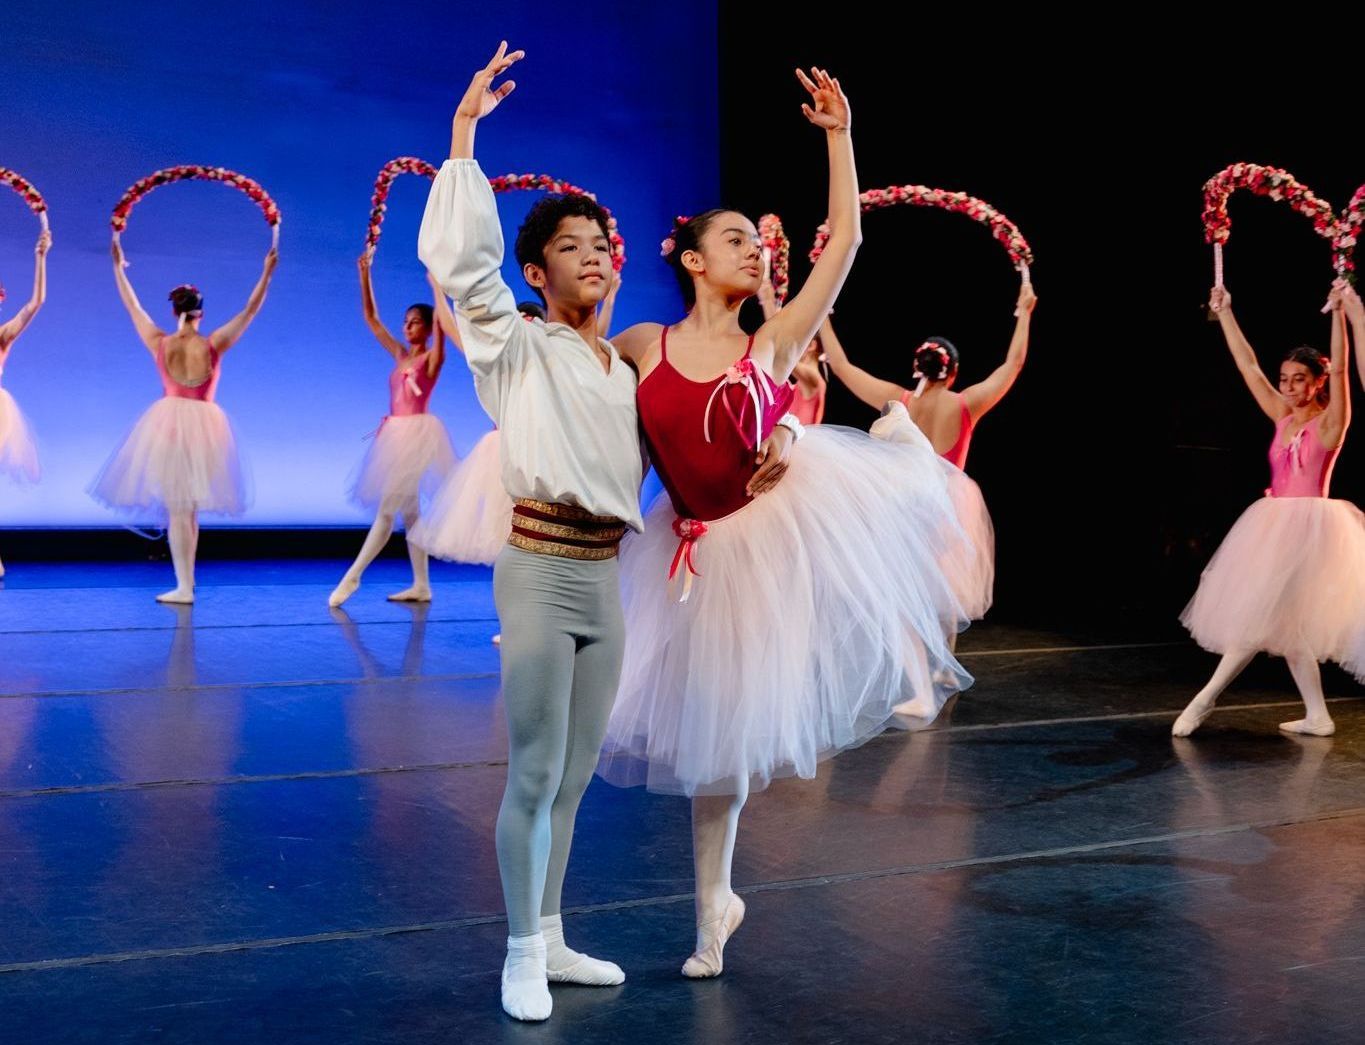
(18, 452)
(180, 456)
(1288, 579)
(409, 457)
(470, 517)
(819, 606)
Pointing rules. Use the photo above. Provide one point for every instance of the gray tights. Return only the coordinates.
(563, 637)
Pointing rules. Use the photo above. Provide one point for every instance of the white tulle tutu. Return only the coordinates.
(471, 515)
(1288, 579)
(408, 458)
(18, 452)
(971, 567)
(180, 456)
(820, 605)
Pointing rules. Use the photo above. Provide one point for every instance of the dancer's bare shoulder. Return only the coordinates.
(634, 342)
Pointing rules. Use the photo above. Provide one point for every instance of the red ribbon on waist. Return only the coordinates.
(689, 531)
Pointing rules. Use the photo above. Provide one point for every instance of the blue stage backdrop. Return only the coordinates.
(310, 99)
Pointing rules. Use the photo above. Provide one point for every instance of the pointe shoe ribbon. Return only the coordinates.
(710, 960)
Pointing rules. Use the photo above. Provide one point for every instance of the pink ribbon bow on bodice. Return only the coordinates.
(757, 392)
(410, 380)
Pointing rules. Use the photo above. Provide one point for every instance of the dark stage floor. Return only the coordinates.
(256, 821)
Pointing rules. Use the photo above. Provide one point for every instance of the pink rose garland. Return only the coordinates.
(382, 184)
(1004, 230)
(777, 249)
(514, 182)
(501, 183)
(1272, 182)
(25, 189)
(1348, 233)
(195, 172)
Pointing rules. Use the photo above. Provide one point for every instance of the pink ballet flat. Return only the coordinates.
(1189, 720)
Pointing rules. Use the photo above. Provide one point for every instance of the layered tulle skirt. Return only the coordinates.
(407, 460)
(18, 451)
(180, 456)
(471, 515)
(970, 565)
(1288, 579)
(819, 606)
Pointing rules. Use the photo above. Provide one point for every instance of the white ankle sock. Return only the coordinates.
(565, 965)
(525, 991)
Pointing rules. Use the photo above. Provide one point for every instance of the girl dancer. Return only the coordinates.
(1289, 578)
(18, 455)
(816, 606)
(181, 457)
(411, 451)
(948, 418)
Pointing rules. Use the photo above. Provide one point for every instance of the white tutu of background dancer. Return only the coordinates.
(181, 456)
(969, 564)
(1288, 579)
(470, 517)
(949, 419)
(406, 461)
(18, 449)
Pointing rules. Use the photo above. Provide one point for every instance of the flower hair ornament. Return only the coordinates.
(919, 375)
(191, 288)
(670, 242)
